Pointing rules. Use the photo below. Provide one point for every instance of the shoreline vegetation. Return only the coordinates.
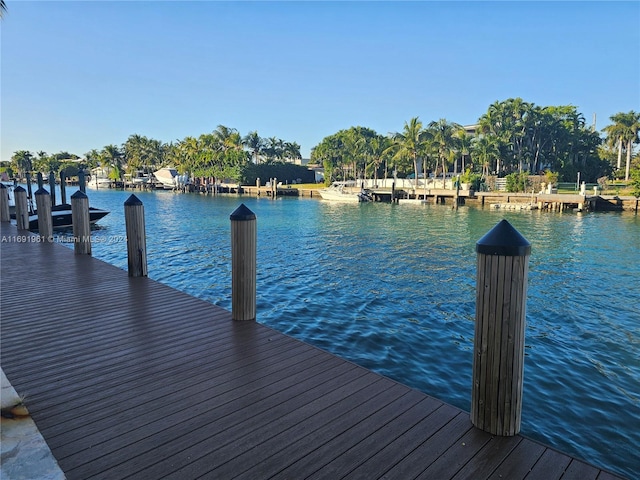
(514, 140)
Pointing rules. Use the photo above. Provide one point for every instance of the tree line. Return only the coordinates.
(513, 136)
(224, 153)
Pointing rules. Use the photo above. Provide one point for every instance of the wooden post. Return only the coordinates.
(4, 203)
(45, 222)
(52, 187)
(457, 196)
(501, 291)
(22, 208)
(243, 264)
(29, 192)
(81, 223)
(40, 181)
(63, 187)
(136, 237)
(81, 181)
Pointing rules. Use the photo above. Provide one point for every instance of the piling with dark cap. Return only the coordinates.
(498, 360)
(22, 208)
(81, 223)
(45, 222)
(136, 237)
(243, 263)
(4, 203)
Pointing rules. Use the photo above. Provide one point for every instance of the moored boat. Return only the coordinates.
(61, 216)
(166, 177)
(345, 192)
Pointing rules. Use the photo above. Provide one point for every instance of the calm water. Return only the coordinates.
(392, 288)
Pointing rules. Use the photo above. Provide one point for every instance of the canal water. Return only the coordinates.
(392, 288)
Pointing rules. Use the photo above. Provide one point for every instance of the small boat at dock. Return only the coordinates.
(345, 192)
(61, 217)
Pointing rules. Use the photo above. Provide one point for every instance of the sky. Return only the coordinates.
(79, 75)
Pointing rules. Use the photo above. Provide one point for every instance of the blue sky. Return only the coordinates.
(80, 75)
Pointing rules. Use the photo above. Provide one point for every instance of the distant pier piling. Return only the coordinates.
(136, 237)
(4, 203)
(52, 187)
(243, 263)
(45, 222)
(82, 181)
(81, 223)
(22, 208)
(63, 187)
(498, 360)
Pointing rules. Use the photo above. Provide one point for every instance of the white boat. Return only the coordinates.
(99, 178)
(345, 192)
(167, 177)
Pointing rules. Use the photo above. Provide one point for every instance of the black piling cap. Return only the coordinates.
(19, 189)
(79, 194)
(41, 191)
(503, 240)
(133, 200)
(242, 213)
(2, 186)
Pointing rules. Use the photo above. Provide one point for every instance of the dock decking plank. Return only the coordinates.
(128, 378)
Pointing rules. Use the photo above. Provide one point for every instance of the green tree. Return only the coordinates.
(443, 142)
(22, 162)
(410, 144)
(255, 144)
(624, 131)
(487, 152)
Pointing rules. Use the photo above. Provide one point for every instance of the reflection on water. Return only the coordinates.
(392, 288)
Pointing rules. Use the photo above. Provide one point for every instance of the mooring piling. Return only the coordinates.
(501, 291)
(4, 203)
(136, 237)
(243, 263)
(81, 223)
(45, 221)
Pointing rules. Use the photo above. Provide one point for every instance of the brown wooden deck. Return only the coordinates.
(128, 378)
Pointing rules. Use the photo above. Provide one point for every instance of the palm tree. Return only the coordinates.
(443, 141)
(23, 161)
(410, 144)
(624, 130)
(111, 157)
(463, 145)
(3, 8)
(291, 151)
(486, 150)
(255, 144)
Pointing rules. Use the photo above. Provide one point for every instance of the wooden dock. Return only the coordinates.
(128, 378)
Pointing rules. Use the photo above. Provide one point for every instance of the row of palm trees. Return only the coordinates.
(512, 136)
(223, 153)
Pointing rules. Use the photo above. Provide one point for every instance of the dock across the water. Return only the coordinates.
(128, 378)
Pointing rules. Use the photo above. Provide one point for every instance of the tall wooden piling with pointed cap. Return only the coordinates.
(498, 360)
(243, 263)
(136, 237)
(22, 208)
(45, 221)
(4, 203)
(81, 223)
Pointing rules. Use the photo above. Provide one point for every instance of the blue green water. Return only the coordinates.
(392, 288)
